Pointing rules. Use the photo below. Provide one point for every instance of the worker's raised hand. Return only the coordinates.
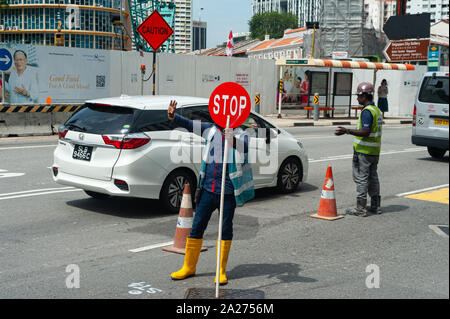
(340, 131)
(171, 110)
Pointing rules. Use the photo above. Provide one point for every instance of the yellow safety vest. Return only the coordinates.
(370, 145)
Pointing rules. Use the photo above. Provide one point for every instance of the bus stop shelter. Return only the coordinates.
(320, 82)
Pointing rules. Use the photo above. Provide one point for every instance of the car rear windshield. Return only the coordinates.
(102, 119)
(434, 90)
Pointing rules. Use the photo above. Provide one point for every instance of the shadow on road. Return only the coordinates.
(445, 159)
(122, 207)
(272, 192)
(284, 272)
(139, 208)
(389, 209)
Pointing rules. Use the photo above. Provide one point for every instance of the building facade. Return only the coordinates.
(377, 12)
(198, 35)
(306, 10)
(288, 47)
(84, 23)
(183, 26)
(438, 9)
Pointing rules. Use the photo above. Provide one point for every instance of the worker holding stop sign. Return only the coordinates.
(226, 178)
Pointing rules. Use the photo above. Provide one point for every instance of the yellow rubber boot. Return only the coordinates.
(224, 252)
(193, 248)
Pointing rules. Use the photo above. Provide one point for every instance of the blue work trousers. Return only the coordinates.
(209, 202)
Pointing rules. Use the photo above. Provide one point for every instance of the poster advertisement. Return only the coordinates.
(295, 85)
(66, 75)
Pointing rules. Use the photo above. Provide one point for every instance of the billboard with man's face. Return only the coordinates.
(66, 75)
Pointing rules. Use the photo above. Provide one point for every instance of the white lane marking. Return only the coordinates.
(302, 138)
(439, 231)
(39, 194)
(36, 190)
(25, 147)
(347, 156)
(6, 175)
(138, 250)
(422, 190)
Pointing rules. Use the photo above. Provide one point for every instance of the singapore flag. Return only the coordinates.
(230, 45)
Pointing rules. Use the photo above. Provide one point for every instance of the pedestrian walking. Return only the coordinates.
(383, 92)
(367, 147)
(239, 188)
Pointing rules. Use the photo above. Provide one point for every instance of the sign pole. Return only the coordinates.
(3, 88)
(280, 95)
(154, 72)
(222, 198)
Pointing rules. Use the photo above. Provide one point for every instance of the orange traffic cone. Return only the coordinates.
(184, 224)
(327, 206)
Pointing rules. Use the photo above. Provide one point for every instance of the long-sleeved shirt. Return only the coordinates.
(213, 175)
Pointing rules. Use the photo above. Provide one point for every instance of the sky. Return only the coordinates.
(222, 17)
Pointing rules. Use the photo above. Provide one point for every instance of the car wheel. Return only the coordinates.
(289, 175)
(436, 152)
(97, 195)
(173, 188)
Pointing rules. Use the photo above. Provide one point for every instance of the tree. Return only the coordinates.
(271, 23)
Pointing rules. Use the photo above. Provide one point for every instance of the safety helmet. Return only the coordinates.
(365, 87)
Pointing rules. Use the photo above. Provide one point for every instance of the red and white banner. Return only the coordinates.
(230, 45)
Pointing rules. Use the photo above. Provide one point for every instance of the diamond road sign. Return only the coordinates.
(155, 30)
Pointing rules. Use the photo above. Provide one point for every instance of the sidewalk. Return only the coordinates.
(291, 120)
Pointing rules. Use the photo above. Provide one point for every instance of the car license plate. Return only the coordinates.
(82, 152)
(440, 122)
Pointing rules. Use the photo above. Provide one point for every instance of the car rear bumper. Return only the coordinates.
(149, 191)
(436, 142)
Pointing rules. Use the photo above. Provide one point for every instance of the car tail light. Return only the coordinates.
(55, 171)
(115, 141)
(62, 131)
(122, 185)
(131, 141)
(414, 116)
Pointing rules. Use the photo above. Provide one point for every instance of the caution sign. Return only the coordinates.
(257, 99)
(316, 99)
(155, 30)
(280, 86)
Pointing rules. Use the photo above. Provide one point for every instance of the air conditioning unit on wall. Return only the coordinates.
(2, 27)
(15, 28)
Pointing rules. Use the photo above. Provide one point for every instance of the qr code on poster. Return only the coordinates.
(100, 81)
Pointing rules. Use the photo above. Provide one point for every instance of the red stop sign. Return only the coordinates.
(229, 99)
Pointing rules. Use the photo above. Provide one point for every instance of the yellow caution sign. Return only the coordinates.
(316, 99)
(281, 86)
(257, 99)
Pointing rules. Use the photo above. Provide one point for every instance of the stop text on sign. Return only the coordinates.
(231, 106)
(229, 100)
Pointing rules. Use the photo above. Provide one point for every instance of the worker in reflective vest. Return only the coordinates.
(239, 188)
(366, 147)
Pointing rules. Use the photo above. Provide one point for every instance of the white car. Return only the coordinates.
(124, 146)
(431, 118)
